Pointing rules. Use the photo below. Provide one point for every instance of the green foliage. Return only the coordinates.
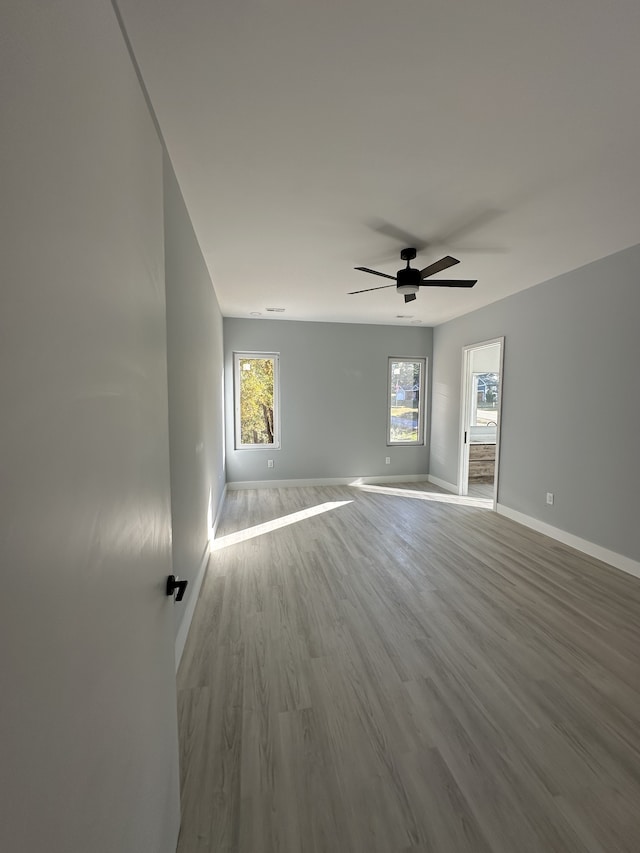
(256, 400)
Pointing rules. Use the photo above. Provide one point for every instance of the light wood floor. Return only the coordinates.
(396, 673)
(481, 490)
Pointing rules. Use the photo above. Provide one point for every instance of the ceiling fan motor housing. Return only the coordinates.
(408, 280)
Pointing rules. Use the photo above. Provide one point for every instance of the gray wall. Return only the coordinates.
(571, 402)
(333, 399)
(88, 729)
(196, 418)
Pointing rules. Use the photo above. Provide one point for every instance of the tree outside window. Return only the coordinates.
(256, 393)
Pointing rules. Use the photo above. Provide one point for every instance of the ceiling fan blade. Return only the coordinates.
(382, 287)
(409, 297)
(447, 282)
(375, 272)
(438, 266)
(387, 229)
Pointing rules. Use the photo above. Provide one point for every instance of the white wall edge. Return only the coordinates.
(327, 481)
(214, 528)
(618, 561)
(450, 487)
(183, 632)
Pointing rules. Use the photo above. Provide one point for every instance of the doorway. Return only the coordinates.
(481, 404)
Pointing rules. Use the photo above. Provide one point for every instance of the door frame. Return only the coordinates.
(465, 400)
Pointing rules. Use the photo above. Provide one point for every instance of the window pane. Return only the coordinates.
(484, 401)
(256, 404)
(405, 401)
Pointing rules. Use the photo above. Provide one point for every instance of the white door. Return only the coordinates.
(88, 722)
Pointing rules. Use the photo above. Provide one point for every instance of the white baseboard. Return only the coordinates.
(450, 487)
(183, 631)
(327, 481)
(618, 561)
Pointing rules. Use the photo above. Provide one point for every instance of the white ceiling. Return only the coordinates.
(297, 127)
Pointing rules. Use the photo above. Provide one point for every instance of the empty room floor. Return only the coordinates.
(374, 672)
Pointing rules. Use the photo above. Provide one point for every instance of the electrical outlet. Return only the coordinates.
(550, 498)
(387, 460)
(269, 463)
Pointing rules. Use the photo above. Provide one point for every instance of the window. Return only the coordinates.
(256, 400)
(406, 401)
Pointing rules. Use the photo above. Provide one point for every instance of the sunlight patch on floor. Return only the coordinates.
(274, 524)
(434, 497)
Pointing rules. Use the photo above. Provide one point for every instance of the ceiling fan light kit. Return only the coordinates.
(407, 284)
(409, 280)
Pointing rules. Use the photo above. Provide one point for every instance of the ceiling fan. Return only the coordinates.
(408, 280)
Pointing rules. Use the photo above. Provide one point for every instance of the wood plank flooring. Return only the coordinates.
(369, 672)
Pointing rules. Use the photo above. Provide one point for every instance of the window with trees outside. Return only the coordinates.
(406, 401)
(256, 400)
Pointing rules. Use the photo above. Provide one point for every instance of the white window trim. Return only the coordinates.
(422, 427)
(237, 357)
